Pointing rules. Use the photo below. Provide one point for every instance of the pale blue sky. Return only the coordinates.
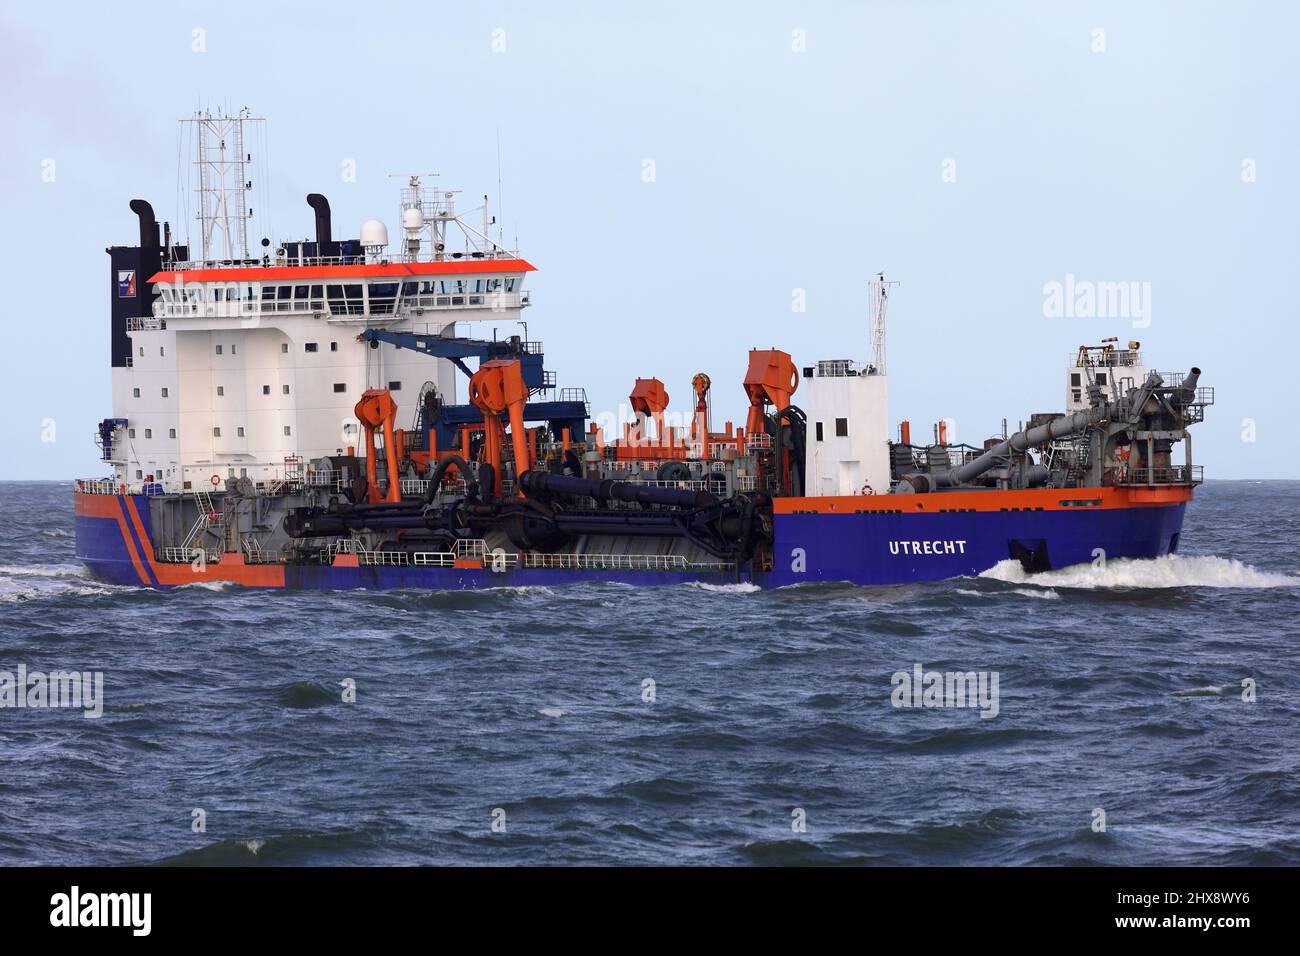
(775, 170)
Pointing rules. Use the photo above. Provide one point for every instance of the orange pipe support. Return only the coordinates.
(498, 388)
(770, 380)
(378, 410)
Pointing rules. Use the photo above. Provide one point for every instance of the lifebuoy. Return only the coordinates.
(216, 480)
(868, 490)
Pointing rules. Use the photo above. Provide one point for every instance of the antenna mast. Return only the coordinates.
(223, 165)
(879, 302)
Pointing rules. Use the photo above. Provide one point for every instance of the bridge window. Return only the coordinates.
(382, 297)
(1074, 378)
(310, 347)
(394, 386)
(510, 283)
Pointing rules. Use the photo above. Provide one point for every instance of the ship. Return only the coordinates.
(330, 413)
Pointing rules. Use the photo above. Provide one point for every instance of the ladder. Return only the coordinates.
(207, 520)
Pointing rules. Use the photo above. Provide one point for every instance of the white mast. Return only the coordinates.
(879, 302)
(224, 185)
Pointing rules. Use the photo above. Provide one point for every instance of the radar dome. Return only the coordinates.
(374, 233)
(412, 219)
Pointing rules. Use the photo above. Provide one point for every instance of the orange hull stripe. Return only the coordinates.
(1048, 499)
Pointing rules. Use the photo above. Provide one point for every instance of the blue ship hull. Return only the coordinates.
(877, 545)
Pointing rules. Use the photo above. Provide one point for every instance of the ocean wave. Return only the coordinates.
(744, 587)
(42, 571)
(1171, 571)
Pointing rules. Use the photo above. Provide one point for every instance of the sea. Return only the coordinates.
(1131, 713)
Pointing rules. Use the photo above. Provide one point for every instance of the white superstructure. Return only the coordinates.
(238, 366)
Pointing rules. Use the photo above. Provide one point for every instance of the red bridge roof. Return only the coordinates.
(394, 270)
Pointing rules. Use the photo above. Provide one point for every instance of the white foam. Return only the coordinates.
(552, 712)
(208, 585)
(1047, 595)
(745, 587)
(1170, 571)
(42, 570)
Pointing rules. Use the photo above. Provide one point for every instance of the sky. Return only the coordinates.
(694, 180)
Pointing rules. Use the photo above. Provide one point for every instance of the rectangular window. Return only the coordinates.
(1074, 378)
(286, 430)
(340, 387)
(284, 389)
(841, 427)
(135, 393)
(130, 433)
(216, 432)
(139, 473)
(266, 389)
(394, 386)
(221, 390)
(334, 346)
(161, 351)
(300, 292)
(239, 432)
(148, 433)
(1076, 395)
(284, 347)
(142, 351)
(1101, 378)
(310, 346)
(164, 393)
(218, 349)
(232, 350)
(819, 431)
(171, 433)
